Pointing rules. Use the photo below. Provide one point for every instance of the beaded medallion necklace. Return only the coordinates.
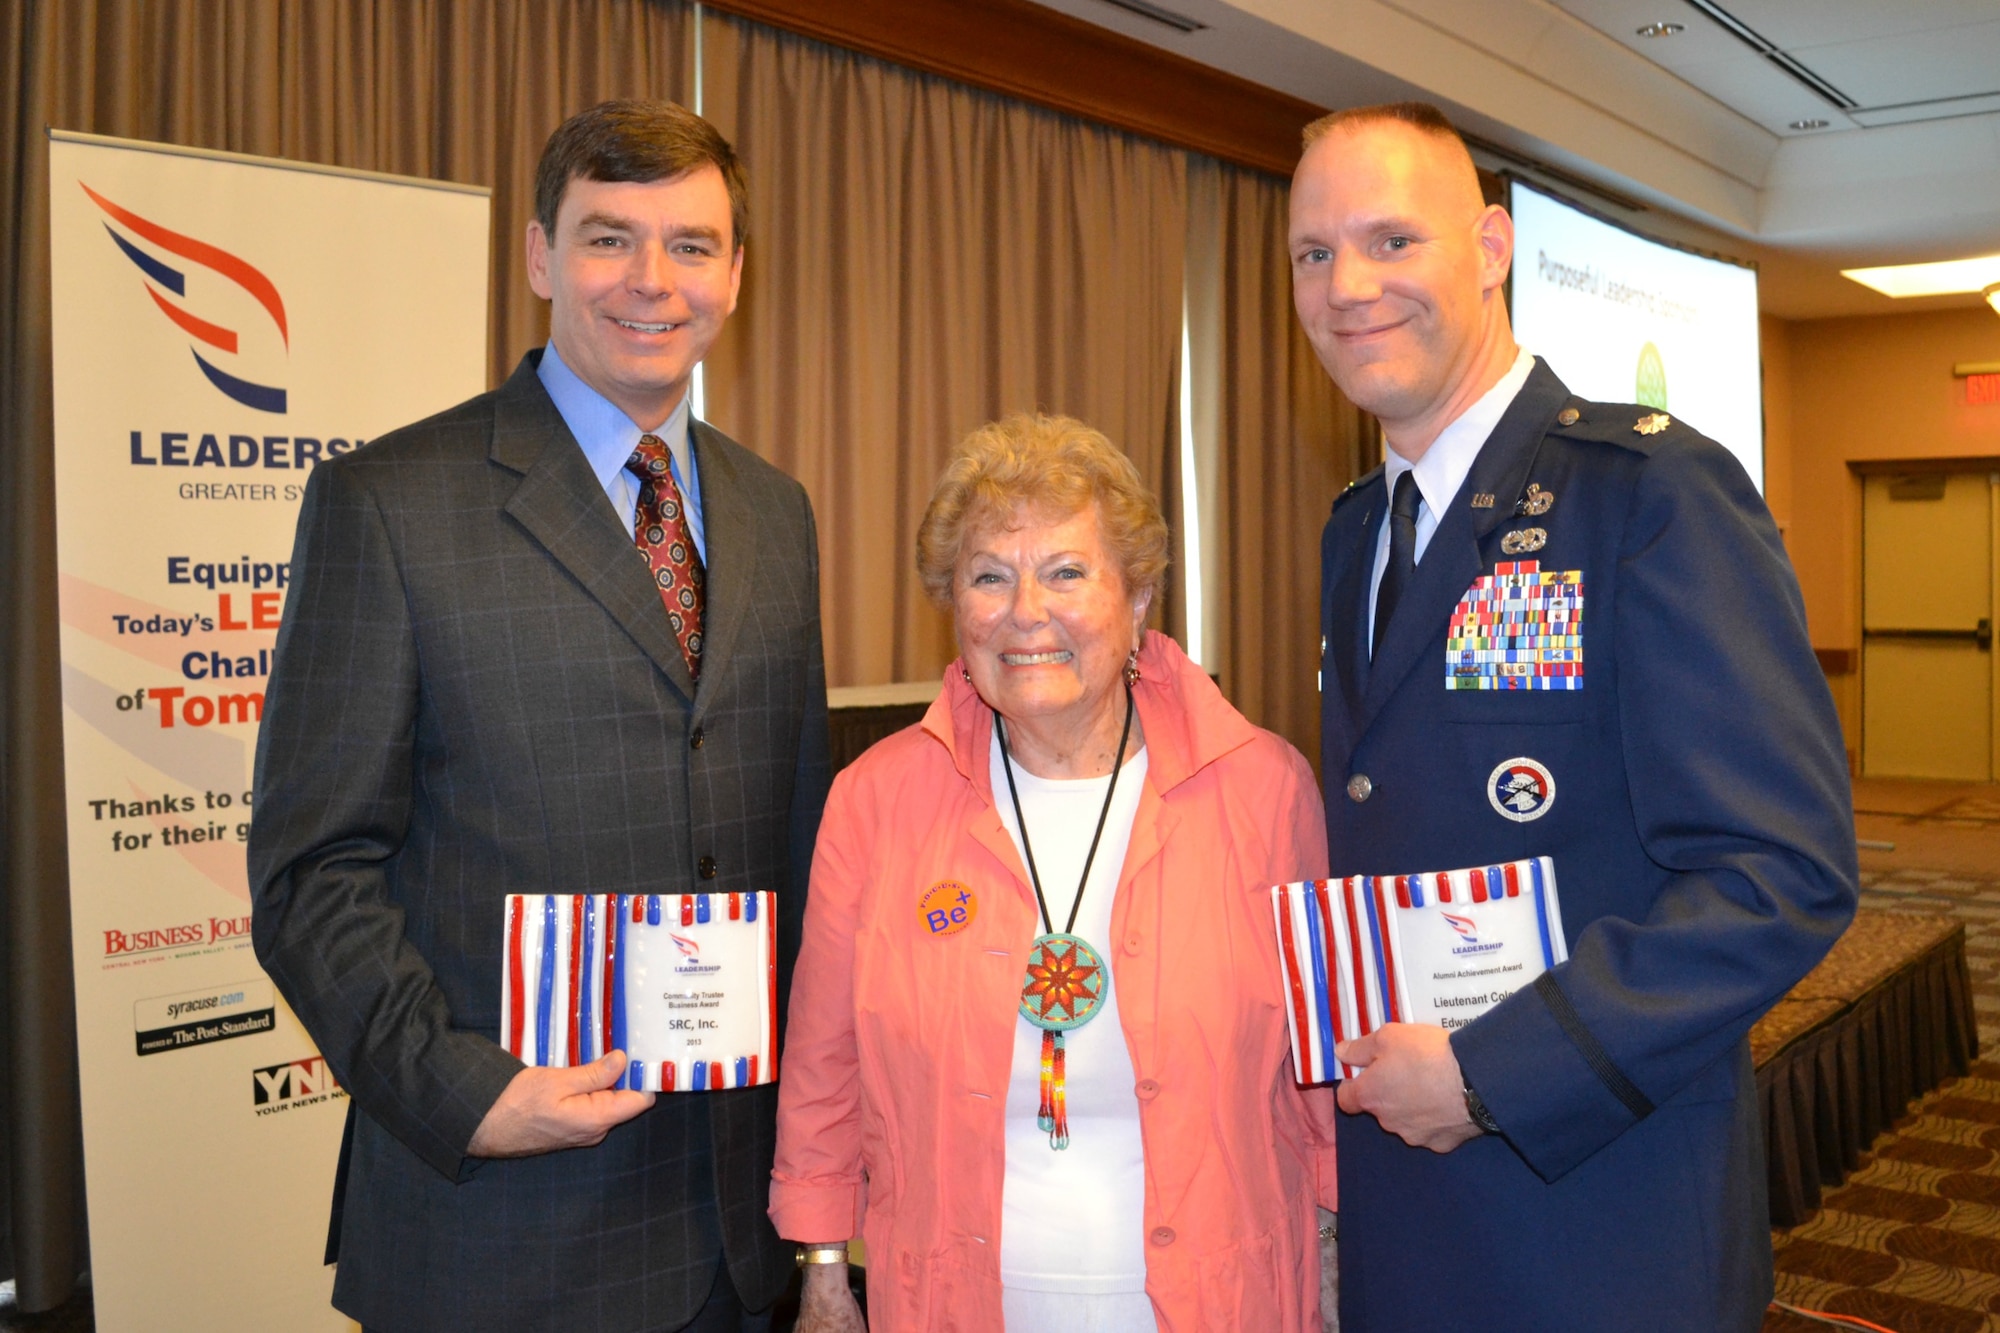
(1065, 982)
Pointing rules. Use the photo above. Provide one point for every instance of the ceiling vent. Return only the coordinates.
(1766, 48)
(1158, 14)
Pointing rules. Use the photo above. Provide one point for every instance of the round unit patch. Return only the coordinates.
(1521, 789)
(946, 908)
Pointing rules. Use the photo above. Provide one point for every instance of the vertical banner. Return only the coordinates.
(222, 324)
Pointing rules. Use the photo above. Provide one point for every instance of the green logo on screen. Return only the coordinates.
(1652, 384)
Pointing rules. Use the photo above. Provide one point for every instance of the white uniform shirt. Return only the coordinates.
(1442, 469)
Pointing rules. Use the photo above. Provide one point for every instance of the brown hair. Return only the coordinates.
(1417, 115)
(637, 141)
(1056, 465)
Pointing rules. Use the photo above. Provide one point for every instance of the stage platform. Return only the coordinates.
(1884, 1019)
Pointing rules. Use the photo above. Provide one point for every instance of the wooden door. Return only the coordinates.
(1927, 662)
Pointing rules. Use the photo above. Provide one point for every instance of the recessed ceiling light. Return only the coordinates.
(1662, 29)
(1945, 278)
(1812, 124)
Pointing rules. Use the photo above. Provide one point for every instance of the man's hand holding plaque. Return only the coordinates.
(547, 1110)
(1411, 1083)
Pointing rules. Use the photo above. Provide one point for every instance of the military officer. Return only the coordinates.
(1585, 1154)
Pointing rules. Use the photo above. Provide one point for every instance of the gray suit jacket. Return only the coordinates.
(476, 693)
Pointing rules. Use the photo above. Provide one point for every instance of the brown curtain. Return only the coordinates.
(1275, 443)
(924, 258)
(463, 90)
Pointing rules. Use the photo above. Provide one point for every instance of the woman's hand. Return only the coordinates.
(825, 1303)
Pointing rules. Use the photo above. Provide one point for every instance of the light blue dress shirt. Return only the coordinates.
(608, 438)
(1443, 468)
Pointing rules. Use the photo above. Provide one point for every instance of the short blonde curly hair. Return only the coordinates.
(1056, 465)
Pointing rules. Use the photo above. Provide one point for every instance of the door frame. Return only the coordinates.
(1860, 469)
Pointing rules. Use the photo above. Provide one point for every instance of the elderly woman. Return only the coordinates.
(1037, 1051)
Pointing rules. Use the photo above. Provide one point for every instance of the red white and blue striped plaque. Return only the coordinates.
(1439, 947)
(686, 984)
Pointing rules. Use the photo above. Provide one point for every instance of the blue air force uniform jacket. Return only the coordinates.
(1693, 793)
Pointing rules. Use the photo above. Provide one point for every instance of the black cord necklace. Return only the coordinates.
(1065, 981)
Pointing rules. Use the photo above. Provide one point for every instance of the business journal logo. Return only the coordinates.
(138, 238)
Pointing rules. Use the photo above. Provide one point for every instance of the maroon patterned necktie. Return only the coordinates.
(666, 542)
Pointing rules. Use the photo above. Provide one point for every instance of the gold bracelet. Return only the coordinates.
(835, 1253)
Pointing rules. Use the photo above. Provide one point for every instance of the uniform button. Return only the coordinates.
(1148, 1089)
(1132, 944)
(1359, 788)
(694, 741)
(1568, 417)
(1163, 1236)
(706, 867)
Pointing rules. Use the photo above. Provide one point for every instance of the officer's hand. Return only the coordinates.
(826, 1303)
(546, 1110)
(1411, 1084)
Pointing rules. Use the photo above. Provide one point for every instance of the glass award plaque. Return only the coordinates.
(686, 984)
(1441, 947)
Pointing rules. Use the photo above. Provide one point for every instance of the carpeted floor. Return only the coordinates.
(1911, 1241)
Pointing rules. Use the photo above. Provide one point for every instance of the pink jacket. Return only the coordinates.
(892, 1100)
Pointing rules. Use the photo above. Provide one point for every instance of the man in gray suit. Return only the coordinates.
(558, 639)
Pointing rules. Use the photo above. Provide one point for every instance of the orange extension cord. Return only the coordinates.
(1827, 1317)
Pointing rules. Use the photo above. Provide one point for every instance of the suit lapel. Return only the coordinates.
(1350, 561)
(1452, 560)
(560, 505)
(729, 530)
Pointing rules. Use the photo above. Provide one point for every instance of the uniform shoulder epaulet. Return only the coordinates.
(1632, 426)
(1358, 484)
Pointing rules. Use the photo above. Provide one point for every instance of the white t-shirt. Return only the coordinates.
(1073, 1227)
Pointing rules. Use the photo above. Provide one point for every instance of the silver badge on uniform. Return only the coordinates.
(1521, 789)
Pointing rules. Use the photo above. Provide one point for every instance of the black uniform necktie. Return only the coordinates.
(1402, 555)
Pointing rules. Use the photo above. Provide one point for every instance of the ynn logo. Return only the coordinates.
(289, 1082)
(1463, 925)
(263, 397)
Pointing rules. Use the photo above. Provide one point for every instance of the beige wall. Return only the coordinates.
(1776, 336)
(1838, 391)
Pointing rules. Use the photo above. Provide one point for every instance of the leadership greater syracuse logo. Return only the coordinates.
(1462, 925)
(159, 274)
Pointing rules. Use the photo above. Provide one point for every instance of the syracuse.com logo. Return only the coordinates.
(263, 397)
